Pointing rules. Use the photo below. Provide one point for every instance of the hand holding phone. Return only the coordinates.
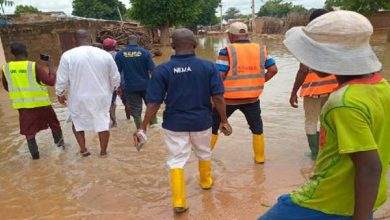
(140, 139)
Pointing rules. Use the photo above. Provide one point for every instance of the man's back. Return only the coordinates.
(89, 69)
(188, 83)
(135, 63)
(354, 119)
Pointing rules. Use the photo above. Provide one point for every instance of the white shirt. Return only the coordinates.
(89, 75)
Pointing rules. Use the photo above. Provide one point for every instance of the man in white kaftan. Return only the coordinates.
(89, 76)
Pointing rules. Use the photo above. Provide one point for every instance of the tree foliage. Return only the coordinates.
(206, 15)
(162, 13)
(102, 9)
(278, 8)
(20, 9)
(232, 13)
(361, 6)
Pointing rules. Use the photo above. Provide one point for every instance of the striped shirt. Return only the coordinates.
(223, 59)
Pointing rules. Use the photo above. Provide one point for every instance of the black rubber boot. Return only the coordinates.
(58, 139)
(33, 147)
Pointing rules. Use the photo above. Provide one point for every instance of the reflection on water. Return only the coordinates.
(134, 185)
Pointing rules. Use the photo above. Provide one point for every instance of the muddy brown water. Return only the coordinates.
(134, 185)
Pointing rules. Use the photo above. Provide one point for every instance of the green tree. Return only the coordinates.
(275, 8)
(362, 6)
(20, 9)
(165, 13)
(102, 9)
(298, 9)
(206, 15)
(232, 13)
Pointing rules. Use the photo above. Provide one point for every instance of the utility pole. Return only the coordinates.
(220, 7)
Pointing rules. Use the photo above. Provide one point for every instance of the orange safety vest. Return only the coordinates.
(246, 76)
(315, 85)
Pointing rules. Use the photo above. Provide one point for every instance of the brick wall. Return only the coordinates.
(44, 37)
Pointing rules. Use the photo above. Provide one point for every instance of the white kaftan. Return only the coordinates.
(89, 75)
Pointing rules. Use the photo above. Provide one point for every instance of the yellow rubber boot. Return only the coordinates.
(258, 148)
(178, 190)
(213, 141)
(205, 174)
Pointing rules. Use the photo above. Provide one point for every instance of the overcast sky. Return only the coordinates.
(243, 5)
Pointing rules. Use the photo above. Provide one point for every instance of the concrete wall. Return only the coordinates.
(44, 37)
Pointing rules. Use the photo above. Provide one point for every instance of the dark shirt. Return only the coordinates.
(185, 84)
(135, 63)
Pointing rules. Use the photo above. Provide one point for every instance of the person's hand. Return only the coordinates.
(62, 100)
(140, 139)
(294, 100)
(225, 128)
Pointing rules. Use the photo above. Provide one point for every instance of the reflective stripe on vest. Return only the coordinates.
(23, 89)
(245, 79)
(315, 85)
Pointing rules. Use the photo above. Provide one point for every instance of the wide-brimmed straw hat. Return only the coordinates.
(337, 42)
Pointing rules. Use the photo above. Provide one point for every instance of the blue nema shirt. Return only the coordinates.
(186, 84)
(134, 62)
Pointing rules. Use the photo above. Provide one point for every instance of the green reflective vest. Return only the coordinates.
(23, 88)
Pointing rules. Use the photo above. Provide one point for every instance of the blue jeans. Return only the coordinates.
(286, 209)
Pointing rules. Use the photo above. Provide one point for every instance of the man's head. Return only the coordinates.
(109, 44)
(82, 37)
(183, 41)
(237, 31)
(18, 49)
(132, 40)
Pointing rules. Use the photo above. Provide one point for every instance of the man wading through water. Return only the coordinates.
(26, 83)
(89, 75)
(185, 84)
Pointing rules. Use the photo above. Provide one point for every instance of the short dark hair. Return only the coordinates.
(317, 13)
(18, 48)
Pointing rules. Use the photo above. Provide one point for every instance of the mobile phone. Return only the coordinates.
(44, 57)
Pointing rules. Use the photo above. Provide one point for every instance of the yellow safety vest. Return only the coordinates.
(23, 88)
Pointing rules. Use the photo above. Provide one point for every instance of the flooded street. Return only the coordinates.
(135, 185)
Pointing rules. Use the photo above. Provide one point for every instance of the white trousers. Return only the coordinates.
(313, 108)
(180, 144)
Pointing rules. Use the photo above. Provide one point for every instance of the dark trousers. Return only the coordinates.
(135, 102)
(252, 114)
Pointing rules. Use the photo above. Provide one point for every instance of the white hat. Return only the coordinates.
(337, 42)
(238, 28)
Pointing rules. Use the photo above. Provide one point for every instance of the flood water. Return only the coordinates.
(135, 185)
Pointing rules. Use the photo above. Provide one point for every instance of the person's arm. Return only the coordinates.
(149, 64)
(217, 90)
(299, 79)
(368, 171)
(44, 77)
(4, 81)
(222, 63)
(271, 72)
(271, 67)
(219, 104)
(151, 110)
(356, 139)
(62, 81)
(115, 77)
(118, 61)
